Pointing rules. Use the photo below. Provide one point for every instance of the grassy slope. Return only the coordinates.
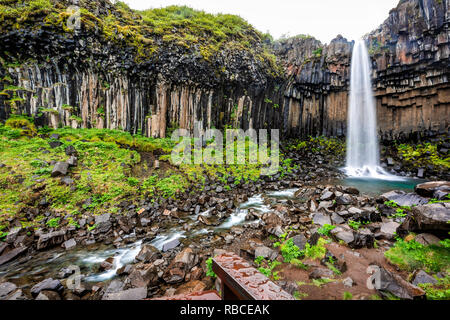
(146, 31)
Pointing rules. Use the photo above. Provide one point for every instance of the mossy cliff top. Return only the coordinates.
(151, 38)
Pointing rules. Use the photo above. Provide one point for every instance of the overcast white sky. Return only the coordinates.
(323, 19)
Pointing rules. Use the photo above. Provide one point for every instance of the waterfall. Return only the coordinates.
(363, 157)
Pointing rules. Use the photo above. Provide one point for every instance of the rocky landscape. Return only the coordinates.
(299, 84)
(92, 207)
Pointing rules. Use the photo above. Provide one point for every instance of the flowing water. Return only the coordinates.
(363, 158)
(48, 264)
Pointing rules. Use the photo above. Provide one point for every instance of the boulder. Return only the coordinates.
(146, 277)
(60, 169)
(344, 200)
(388, 230)
(191, 287)
(148, 254)
(170, 245)
(130, 294)
(14, 253)
(432, 217)
(48, 285)
(300, 241)
(404, 199)
(266, 253)
(423, 277)
(50, 239)
(394, 284)
(428, 189)
(320, 273)
(321, 218)
(103, 222)
(342, 234)
(48, 295)
(327, 196)
(336, 219)
(70, 244)
(427, 239)
(364, 238)
(6, 288)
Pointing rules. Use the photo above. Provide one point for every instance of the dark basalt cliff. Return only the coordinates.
(145, 81)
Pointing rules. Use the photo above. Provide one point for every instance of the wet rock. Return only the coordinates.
(364, 238)
(16, 295)
(344, 200)
(404, 199)
(354, 210)
(428, 189)
(276, 231)
(321, 218)
(70, 244)
(300, 241)
(389, 230)
(103, 222)
(114, 286)
(191, 287)
(60, 169)
(107, 264)
(170, 245)
(51, 239)
(427, 239)
(343, 235)
(337, 219)
(14, 253)
(148, 254)
(186, 259)
(147, 277)
(6, 288)
(350, 190)
(48, 295)
(125, 270)
(48, 285)
(429, 217)
(423, 277)
(327, 196)
(130, 294)
(266, 253)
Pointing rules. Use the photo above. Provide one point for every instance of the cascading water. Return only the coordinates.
(363, 158)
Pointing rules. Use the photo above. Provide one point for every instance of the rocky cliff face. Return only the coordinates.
(85, 79)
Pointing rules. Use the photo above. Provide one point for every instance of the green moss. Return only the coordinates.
(423, 155)
(196, 31)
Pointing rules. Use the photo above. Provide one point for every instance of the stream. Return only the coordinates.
(41, 265)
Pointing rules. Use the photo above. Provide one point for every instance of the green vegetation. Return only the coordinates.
(354, 224)
(326, 229)
(267, 267)
(108, 171)
(411, 255)
(347, 296)
(439, 291)
(324, 145)
(423, 155)
(196, 31)
(209, 270)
